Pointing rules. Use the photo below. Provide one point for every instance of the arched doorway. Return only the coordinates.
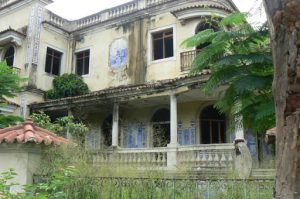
(161, 128)
(9, 56)
(107, 131)
(213, 126)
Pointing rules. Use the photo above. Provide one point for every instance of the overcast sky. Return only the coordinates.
(74, 9)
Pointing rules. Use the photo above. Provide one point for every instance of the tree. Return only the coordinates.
(240, 58)
(67, 85)
(284, 23)
(61, 125)
(9, 86)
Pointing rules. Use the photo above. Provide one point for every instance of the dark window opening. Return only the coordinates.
(53, 61)
(163, 45)
(9, 56)
(213, 126)
(83, 62)
(161, 128)
(205, 26)
(107, 131)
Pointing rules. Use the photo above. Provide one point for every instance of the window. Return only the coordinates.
(9, 56)
(53, 61)
(163, 45)
(204, 26)
(83, 62)
(213, 126)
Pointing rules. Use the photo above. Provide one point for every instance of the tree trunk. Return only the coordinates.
(284, 20)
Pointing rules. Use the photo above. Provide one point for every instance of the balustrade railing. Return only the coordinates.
(156, 157)
(96, 18)
(187, 58)
(57, 20)
(155, 2)
(108, 14)
(123, 9)
(190, 157)
(219, 156)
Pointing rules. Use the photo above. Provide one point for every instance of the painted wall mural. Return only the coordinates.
(187, 135)
(118, 53)
(135, 135)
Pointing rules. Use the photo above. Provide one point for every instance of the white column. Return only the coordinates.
(115, 126)
(173, 106)
(172, 151)
(239, 127)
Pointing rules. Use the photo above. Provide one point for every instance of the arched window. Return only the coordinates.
(213, 126)
(208, 24)
(9, 56)
(161, 128)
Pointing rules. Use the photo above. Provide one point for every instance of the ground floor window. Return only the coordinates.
(213, 126)
(160, 124)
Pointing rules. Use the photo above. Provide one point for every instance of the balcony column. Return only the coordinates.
(173, 107)
(239, 127)
(115, 126)
(172, 152)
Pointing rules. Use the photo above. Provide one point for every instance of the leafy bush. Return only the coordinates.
(61, 126)
(67, 85)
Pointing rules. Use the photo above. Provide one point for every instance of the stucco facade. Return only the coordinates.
(135, 66)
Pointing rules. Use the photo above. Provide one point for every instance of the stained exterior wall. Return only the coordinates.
(44, 29)
(25, 160)
(134, 119)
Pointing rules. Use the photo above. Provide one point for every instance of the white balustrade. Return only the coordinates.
(219, 156)
(57, 20)
(197, 157)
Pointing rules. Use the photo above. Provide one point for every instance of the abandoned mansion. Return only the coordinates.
(143, 103)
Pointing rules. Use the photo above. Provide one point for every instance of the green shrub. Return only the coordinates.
(67, 85)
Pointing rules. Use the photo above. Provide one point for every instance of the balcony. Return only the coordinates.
(187, 59)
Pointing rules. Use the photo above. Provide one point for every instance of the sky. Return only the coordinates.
(75, 9)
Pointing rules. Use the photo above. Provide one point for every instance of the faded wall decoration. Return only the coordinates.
(187, 136)
(29, 34)
(38, 27)
(118, 53)
(135, 135)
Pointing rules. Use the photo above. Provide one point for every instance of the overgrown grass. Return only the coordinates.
(67, 173)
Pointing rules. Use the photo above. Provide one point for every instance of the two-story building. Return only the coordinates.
(142, 99)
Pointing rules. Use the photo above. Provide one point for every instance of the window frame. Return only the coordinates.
(151, 45)
(4, 50)
(210, 120)
(75, 61)
(61, 61)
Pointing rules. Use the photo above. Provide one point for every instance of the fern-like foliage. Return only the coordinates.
(240, 58)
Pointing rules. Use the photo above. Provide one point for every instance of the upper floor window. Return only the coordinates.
(162, 44)
(83, 62)
(53, 61)
(9, 56)
(204, 26)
